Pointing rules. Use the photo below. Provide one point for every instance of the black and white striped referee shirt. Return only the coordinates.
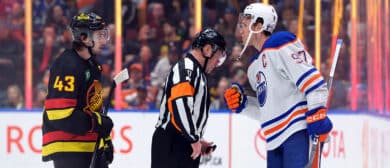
(185, 103)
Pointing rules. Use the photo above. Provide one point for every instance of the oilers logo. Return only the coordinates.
(261, 88)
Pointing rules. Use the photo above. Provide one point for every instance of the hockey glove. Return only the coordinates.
(108, 150)
(318, 124)
(105, 154)
(235, 98)
(103, 124)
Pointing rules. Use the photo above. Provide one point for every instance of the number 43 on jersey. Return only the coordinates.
(66, 84)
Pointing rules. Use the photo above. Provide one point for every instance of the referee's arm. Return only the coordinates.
(181, 101)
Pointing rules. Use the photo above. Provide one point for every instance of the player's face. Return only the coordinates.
(100, 38)
(243, 28)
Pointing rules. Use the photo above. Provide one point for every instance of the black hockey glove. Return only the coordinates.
(103, 124)
(108, 151)
(105, 153)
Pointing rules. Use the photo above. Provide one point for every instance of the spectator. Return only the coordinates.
(11, 53)
(40, 95)
(219, 102)
(169, 32)
(70, 8)
(40, 8)
(239, 75)
(56, 17)
(144, 38)
(45, 50)
(161, 71)
(17, 21)
(14, 97)
(157, 14)
(293, 26)
(136, 76)
(148, 62)
(140, 101)
(130, 18)
(227, 25)
(129, 89)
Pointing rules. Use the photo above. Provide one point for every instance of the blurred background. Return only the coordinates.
(148, 36)
(155, 33)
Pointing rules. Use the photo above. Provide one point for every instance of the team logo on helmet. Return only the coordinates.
(261, 88)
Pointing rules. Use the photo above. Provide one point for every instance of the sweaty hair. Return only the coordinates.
(261, 20)
(77, 44)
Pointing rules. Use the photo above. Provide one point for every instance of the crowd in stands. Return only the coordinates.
(155, 35)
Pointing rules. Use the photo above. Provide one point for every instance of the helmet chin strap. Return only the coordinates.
(207, 58)
(90, 48)
(248, 39)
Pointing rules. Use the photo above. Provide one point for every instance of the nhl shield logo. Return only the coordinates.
(261, 88)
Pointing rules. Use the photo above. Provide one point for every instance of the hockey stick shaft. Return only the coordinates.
(118, 79)
(334, 63)
(105, 111)
(316, 146)
(107, 102)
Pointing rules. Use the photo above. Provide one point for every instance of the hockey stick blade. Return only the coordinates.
(118, 79)
(121, 76)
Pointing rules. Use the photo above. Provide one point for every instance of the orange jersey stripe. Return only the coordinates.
(310, 81)
(179, 90)
(284, 123)
(60, 103)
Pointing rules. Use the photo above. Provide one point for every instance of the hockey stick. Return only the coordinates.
(316, 146)
(118, 79)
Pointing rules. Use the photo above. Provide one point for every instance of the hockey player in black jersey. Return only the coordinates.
(72, 118)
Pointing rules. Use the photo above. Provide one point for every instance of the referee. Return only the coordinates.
(177, 140)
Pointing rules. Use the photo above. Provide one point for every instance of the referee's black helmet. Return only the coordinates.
(209, 36)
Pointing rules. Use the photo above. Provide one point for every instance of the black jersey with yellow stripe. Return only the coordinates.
(74, 91)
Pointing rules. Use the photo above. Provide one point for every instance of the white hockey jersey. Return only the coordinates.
(287, 85)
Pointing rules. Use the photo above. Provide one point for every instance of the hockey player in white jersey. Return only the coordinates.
(291, 93)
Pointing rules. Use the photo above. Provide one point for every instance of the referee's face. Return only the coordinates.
(216, 60)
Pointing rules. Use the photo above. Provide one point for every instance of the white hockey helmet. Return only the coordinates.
(257, 10)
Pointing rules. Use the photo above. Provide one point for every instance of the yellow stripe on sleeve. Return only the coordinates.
(59, 114)
(68, 147)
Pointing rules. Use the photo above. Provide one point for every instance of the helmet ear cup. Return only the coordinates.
(262, 11)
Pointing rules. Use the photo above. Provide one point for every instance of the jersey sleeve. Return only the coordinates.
(296, 64)
(62, 110)
(181, 100)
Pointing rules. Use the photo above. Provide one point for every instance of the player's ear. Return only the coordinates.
(207, 50)
(257, 26)
(84, 38)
